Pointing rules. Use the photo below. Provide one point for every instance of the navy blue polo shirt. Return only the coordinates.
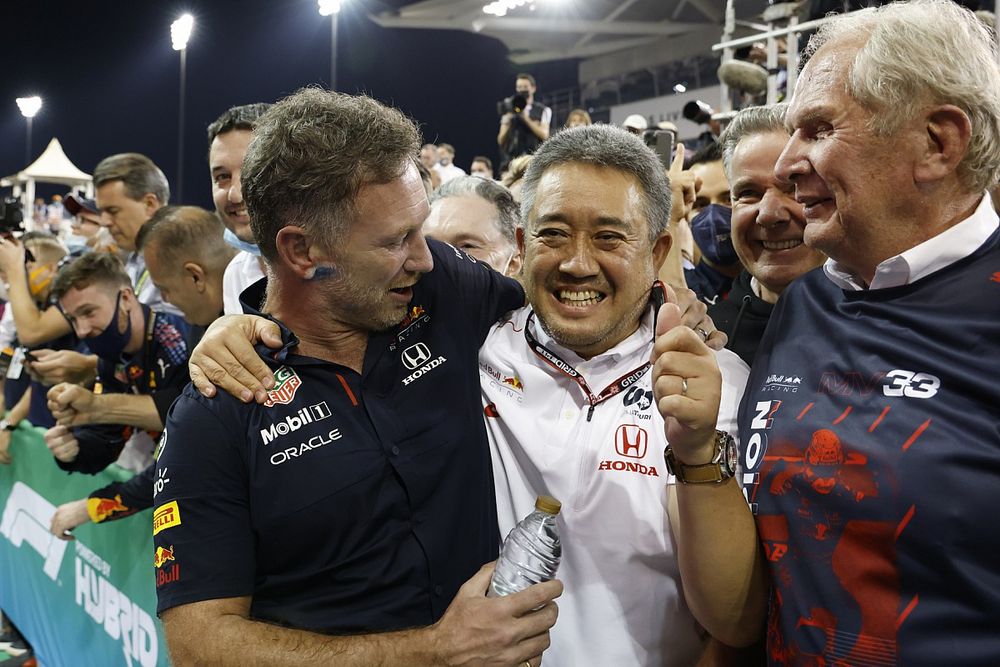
(347, 503)
(159, 370)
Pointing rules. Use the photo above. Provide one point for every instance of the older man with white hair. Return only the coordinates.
(870, 420)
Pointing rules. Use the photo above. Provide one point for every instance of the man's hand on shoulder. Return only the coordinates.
(226, 358)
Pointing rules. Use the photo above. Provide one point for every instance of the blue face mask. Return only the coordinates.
(712, 231)
(239, 244)
(110, 344)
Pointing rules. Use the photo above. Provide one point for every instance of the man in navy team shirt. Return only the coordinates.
(869, 426)
(341, 520)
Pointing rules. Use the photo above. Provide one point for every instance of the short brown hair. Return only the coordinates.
(179, 234)
(94, 267)
(139, 174)
(528, 77)
(311, 154)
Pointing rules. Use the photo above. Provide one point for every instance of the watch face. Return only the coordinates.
(730, 454)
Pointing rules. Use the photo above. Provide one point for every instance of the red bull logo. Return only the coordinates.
(100, 509)
(514, 382)
(414, 314)
(168, 575)
(163, 555)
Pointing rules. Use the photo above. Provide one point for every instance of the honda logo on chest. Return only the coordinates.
(631, 441)
(415, 355)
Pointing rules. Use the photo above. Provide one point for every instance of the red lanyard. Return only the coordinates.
(656, 298)
(557, 362)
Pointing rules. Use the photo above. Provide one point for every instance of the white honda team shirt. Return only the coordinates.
(241, 272)
(623, 603)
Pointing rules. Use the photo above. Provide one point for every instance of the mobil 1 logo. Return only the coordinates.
(291, 423)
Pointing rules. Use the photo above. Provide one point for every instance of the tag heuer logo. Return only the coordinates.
(287, 383)
(415, 355)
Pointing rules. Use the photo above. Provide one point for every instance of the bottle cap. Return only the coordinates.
(548, 504)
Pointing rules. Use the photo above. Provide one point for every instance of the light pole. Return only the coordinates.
(331, 8)
(29, 106)
(180, 32)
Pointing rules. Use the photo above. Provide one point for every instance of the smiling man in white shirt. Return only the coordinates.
(570, 412)
(228, 138)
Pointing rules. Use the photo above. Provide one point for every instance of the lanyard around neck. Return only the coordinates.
(564, 367)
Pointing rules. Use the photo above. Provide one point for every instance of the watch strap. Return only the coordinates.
(705, 473)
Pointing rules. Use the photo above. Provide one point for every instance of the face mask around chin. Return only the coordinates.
(236, 242)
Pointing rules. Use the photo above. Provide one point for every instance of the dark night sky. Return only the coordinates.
(109, 78)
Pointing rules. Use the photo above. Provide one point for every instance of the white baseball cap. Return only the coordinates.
(636, 122)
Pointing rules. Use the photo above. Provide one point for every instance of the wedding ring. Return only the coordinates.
(684, 387)
(702, 333)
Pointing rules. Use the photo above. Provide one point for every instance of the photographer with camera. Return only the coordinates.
(523, 124)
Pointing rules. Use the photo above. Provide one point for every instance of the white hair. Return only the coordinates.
(922, 53)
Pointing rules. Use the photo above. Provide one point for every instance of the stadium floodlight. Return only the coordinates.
(328, 7)
(180, 31)
(29, 106)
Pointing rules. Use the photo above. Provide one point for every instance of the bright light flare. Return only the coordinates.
(501, 7)
(29, 106)
(180, 32)
(328, 7)
(680, 88)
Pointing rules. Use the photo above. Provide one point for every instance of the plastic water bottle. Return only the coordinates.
(531, 552)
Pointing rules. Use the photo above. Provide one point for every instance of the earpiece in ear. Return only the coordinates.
(320, 272)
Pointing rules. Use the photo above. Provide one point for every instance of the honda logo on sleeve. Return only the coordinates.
(631, 441)
(415, 355)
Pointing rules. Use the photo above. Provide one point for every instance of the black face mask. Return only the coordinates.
(712, 229)
(110, 344)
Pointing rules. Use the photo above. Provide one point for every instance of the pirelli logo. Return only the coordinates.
(166, 516)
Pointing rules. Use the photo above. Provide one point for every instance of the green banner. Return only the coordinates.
(90, 601)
